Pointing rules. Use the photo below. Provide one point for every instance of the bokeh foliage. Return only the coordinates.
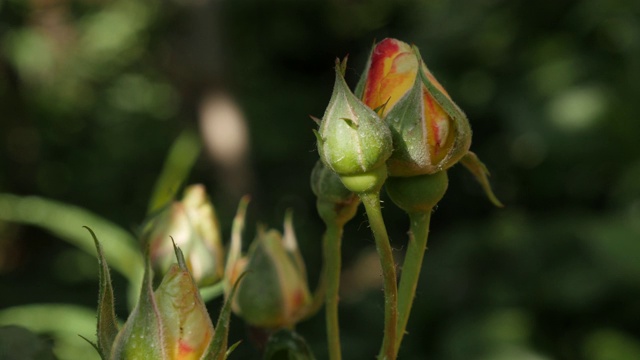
(94, 93)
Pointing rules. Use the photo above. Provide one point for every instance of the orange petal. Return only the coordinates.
(393, 70)
(438, 124)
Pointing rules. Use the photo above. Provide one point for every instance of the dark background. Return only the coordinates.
(93, 93)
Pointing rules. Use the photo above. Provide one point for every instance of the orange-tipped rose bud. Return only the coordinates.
(274, 293)
(193, 225)
(430, 133)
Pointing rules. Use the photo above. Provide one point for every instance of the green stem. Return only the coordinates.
(332, 263)
(372, 205)
(419, 232)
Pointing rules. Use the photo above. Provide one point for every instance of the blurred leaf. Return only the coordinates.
(18, 343)
(611, 344)
(178, 164)
(614, 243)
(66, 221)
(63, 322)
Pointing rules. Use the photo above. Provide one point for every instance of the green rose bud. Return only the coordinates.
(193, 225)
(352, 140)
(274, 293)
(335, 204)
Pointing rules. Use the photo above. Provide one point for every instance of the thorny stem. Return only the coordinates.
(371, 202)
(332, 260)
(418, 235)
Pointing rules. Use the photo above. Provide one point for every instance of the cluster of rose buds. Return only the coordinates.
(171, 321)
(400, 122)
(399, 128)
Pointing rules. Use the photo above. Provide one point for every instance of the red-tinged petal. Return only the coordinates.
(438, 125)
(434, 81)
(393, 70)
(188, 328)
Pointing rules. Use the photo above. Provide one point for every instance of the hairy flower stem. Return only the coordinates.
(371, 202)
(332, 262)
(418, 235)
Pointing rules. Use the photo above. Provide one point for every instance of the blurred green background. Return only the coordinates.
(94, 94)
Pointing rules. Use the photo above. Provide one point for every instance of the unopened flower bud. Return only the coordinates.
(274, 293)
(430, 133)
(335, 204)
(352, 140)
(171, 323)
(193, 225)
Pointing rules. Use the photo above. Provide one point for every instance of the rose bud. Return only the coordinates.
(193, 225)
(274, 293)
(430, 133)
(352, 139)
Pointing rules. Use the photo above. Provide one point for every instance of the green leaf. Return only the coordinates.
(107, 322)
(66, 221)
(17, 342)
(178, 164)
(479, 170)
(63, 323)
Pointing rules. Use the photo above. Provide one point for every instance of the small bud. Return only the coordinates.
(417, 194)
(352, 140)
(274, 293)
(335, 204)
(193, 225)
(171, 323)
(430, 133)
(287, 344)
(188, 329)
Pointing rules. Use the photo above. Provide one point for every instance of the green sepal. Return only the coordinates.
(417, 194)
(141, 336)
(290, 243)
(107, 322)
(179, 256)
(232, 348)
(408, 130)
(287, 345)
(318, 137)
(235, 248)
(218, 347)
(315, 119)
(342, 65)
(362, 82)
(356, 146)
(481, 173)
(460, 125)
(352, 124)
